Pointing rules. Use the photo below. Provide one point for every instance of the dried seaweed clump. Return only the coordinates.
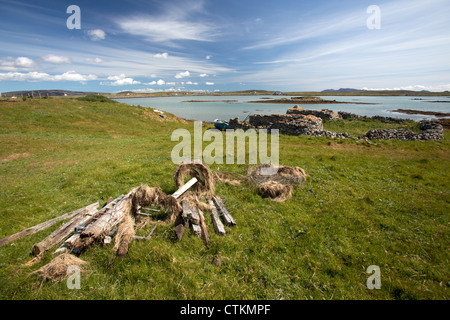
(276, 182)
(282, 174)
(276, 191)
(56, 270)
(195, 169)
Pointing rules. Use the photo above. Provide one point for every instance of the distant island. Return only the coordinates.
(228, 101)
(131, 94)
(304, 100)
(342, 90)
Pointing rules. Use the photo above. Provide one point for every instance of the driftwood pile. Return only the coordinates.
(118, 218)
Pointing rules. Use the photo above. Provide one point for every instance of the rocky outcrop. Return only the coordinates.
(324, 114)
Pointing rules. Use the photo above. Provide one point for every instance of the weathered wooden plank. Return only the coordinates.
(205, 234)
(217, 223)
(195, 217)
(64, 231)
(195, 225)
(227, 218)
(184, 188)
(104, 223)
(100, 228)
(187, 213)
(90, 218)
(39, 227)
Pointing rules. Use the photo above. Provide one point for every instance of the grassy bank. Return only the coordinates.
(380, 203)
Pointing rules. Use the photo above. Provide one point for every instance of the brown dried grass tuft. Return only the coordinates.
(56, 270)
(146, 196)
(284, 174)
(195, 169)
(276, 191)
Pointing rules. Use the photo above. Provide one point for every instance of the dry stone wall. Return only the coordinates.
(309, 122)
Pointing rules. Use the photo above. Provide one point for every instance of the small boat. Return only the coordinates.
(220, 124)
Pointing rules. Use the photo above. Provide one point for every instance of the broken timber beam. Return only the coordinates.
(227, 218)
(82, 224)
(69, 243)
(39, 227)
(64, 231)
(184, 188)
(100, 228)
(217, 223)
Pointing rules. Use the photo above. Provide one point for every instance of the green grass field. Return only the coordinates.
(383, 203)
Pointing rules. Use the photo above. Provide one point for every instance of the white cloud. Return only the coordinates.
(42, 76)
(120, 80)
(145, 90)
(166, 30)
(94, 60)
(203, 75)
(51, 58)
(209, 83)
(73, 76)
(29, 76)
(180, 75)
(160, 82)
(208, 57)
(416, 87)
(96, 34)
(173, 23)
(24, 63)
(20, 63)
(171, 83)
(164, 55)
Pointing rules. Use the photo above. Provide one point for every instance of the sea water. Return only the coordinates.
(228, 107)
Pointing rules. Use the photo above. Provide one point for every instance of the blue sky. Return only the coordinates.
(201, 45)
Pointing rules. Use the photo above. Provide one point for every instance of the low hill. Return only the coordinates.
(45, 93)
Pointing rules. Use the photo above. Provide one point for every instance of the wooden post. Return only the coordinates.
(228, 219)
(64, 231)
(217, 223)
(39, 227)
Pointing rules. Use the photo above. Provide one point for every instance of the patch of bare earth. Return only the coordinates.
(16, 156)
